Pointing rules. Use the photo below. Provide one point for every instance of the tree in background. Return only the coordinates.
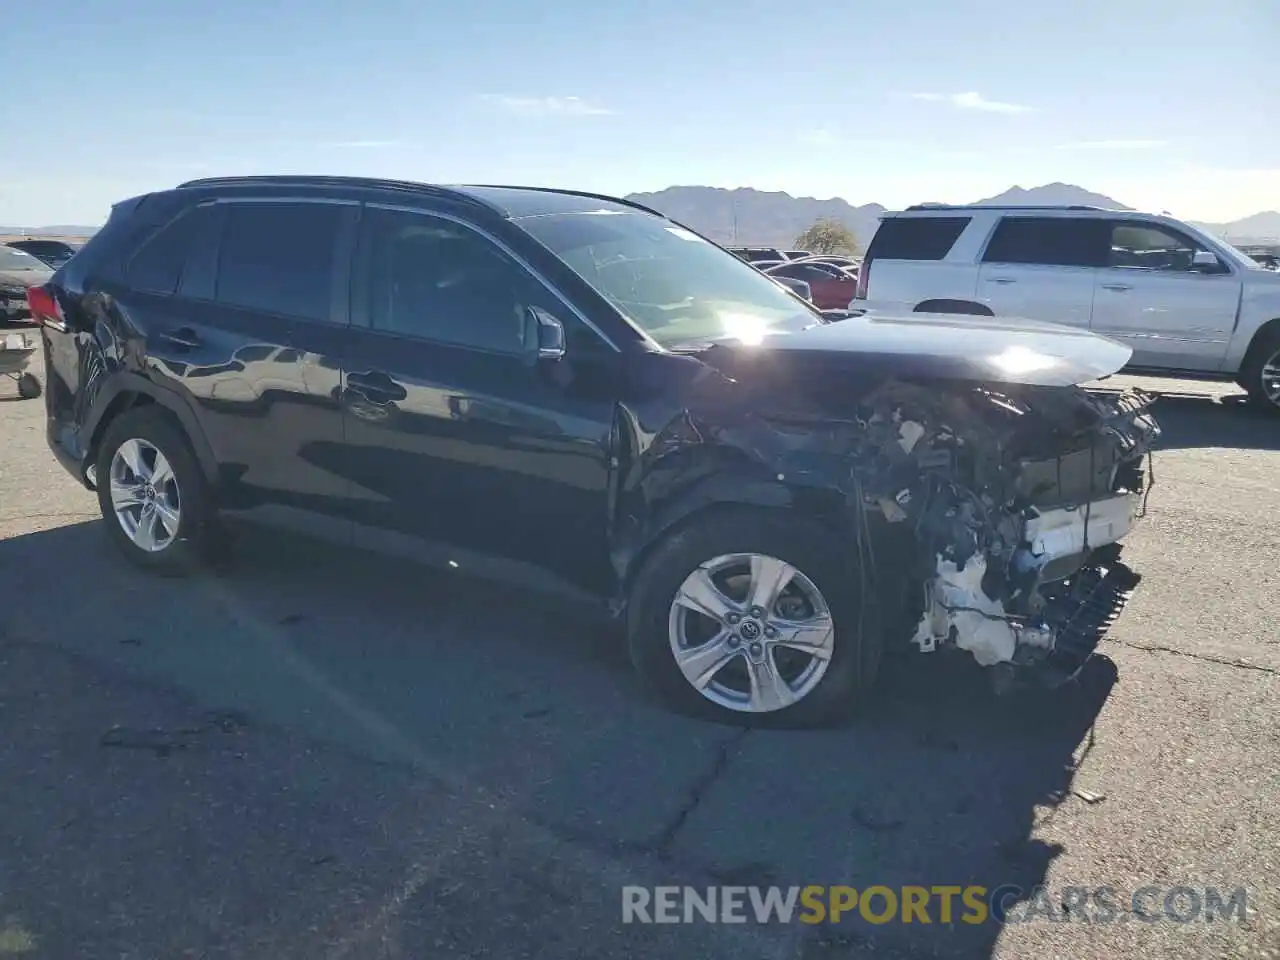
(828, 236)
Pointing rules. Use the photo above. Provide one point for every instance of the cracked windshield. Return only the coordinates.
(464, 496)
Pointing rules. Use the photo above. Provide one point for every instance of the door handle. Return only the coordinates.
(1001, 280)
(1119, 287)
(376, 386)
(184, 338)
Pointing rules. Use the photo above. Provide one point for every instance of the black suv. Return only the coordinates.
(576, 392)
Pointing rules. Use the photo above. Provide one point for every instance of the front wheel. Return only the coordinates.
(754, 617)
(1260, 375)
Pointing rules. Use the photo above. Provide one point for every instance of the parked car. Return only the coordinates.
(53, 253)
(796, 254)
(18, 271)
(798, 287)
(755, 254)
(1183, 301)
(832, 289)
(572, 391)
(847, 264)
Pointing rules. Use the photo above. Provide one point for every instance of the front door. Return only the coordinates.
(1152, 297)
(461, 447)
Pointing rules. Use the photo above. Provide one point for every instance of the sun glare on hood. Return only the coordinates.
(1021, 360)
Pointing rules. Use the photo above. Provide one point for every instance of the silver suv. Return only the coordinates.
(1184, 301)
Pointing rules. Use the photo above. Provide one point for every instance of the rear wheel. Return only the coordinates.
(755, 618)
(152, 493)
(1260, 375)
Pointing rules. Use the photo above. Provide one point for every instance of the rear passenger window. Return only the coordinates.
(1049, 241)
(279, 258)
(157, 266)
(916, 238)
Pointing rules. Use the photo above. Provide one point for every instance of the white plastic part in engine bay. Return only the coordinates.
(1061, 533)
(958, 609)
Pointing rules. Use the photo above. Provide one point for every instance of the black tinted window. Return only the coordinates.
(279, 257)
(1052, 241)
(916, 238)
(157, 267)
(1148, 247)
(436, 279)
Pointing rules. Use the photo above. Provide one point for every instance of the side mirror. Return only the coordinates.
(1206, 262)
(544, 336)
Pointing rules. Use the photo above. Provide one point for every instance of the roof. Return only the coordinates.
(1001, 206)
(508, 201)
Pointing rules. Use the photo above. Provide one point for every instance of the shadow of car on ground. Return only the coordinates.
(532, 703)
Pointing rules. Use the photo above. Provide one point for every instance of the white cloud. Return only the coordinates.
(820, 137)
(363, 144)
(972, 100)
(545, 106)
(1113, 145)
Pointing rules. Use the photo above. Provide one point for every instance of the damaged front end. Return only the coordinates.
(1017, 497)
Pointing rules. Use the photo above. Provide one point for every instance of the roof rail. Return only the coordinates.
(573, 193)
(1005, 206)
(305, 180)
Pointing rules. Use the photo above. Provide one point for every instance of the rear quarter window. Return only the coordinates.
(158, 265)
(916, 238)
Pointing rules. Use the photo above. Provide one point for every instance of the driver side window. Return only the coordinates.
(1146, 247)
(435, 279)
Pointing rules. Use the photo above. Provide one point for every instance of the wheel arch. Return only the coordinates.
(127, 391)
(946, 305)
(1269, 329)
(718, 492)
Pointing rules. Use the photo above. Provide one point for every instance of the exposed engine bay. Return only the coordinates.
(997, 506)
(1017, 497)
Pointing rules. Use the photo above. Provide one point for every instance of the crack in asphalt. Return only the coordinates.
(661, 843)
(1221, 661)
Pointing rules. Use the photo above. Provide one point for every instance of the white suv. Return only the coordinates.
(1184, 301)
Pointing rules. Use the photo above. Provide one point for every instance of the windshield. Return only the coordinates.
(677, 287)
(11, 259)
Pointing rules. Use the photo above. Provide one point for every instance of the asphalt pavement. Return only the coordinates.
(319, 753)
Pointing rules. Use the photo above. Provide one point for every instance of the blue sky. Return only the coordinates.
(1170, 106)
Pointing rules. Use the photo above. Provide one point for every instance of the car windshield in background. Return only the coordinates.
(11, 259)
(671, 283)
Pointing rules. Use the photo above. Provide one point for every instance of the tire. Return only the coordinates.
(824, 563)
(28, 386)
(183, 549)
(1264, 353)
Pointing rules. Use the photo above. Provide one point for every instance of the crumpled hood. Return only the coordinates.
(24, 278)
(946, 346)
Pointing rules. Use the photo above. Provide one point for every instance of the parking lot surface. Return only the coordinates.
(320, 753)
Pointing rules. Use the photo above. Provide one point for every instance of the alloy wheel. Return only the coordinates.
(751, 633)
(1271, 379)
(144, 495)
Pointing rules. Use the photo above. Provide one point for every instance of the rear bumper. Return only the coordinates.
(67, 450)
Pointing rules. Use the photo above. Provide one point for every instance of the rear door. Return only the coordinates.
(1153, 298)
(254, 346)
(1043, 268)
(462, 448)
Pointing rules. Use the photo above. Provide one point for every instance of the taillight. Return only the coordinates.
(44, 308)
(864, 277)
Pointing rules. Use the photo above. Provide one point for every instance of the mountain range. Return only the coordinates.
(759, 218)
